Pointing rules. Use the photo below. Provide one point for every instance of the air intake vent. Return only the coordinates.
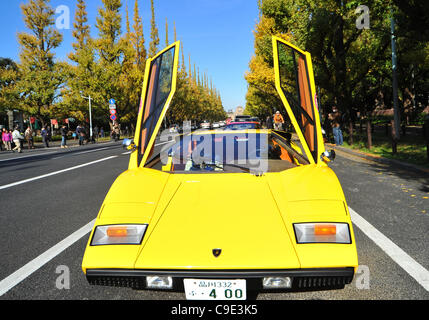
(321, 282)
(127, 282)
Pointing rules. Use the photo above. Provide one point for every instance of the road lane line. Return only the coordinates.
(162, 143)
(406, 262)
(79, 153)
(34, 265)
(54, 173)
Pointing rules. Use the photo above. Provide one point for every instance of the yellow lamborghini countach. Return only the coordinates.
(217, 214)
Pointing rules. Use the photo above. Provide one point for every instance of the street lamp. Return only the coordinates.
(90, 115)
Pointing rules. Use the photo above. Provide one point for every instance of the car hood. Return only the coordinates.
(235, 213)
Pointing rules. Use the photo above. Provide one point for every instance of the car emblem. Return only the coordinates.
(217, 252)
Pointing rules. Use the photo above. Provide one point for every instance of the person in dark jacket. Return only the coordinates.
(269, 123)
(45, 137)
(64, 133)
(80, 131)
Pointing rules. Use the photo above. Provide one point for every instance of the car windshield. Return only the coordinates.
(249, 151)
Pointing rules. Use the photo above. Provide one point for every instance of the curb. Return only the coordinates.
(378, 158)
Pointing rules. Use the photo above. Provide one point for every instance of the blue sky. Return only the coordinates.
(217, 34)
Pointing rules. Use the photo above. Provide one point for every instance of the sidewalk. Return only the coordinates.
(377, 158)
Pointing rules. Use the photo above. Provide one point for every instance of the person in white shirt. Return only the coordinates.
(17, 137)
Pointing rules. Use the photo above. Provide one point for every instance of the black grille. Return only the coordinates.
(126, 282)
(321, 282)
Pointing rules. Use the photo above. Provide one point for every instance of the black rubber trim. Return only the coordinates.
(302, 279)
(245, 274)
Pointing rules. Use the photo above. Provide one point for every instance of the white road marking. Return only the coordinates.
(161, 144)
(54, 173)
(411, 266)
(84, 152)
(34, 265)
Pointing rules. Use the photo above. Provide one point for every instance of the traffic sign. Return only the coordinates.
(112, 101)
(113, 117)
(112, 111)
(112, 107)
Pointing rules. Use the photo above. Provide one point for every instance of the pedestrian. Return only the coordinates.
(45, 137)
(335, 118)
(269, 122)
(29, 137)
(48, 129)
(2, 142)
(78, 134)
(7, 139)
(116, 132)
(64, 133)
(278, 121)
(81, 135)
(95, 133)
(17, 137)
(102, 132)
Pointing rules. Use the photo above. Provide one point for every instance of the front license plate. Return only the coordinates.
(204, 289)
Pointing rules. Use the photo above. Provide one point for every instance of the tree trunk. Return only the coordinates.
(369, 134)
(394, 138)
(351, 131)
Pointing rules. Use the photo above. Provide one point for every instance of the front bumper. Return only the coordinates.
(302, 279)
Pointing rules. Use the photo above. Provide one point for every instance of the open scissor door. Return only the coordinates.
(158, 91)
(296, 87)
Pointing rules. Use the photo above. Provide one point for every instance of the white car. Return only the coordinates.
(173, 129)
(205, 125)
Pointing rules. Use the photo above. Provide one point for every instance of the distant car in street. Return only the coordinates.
(243, 126)
(174, 128)
(242, 118)
(205, 125)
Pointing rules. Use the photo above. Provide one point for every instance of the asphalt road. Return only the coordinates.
(48, 199)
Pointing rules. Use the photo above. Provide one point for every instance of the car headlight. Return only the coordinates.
(322, 233)
(118, 234)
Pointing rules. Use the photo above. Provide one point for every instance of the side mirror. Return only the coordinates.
(328, 156)
(129, 144)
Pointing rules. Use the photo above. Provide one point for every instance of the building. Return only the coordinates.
(9, 119)
(239, 111)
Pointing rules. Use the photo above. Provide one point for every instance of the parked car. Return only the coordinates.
(287, 229)
(205, 125)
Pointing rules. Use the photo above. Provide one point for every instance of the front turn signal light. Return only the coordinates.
(325, 229)
(322, 233)
(118, 234)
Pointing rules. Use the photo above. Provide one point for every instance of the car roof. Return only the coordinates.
(244, 122)
(260, 131)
